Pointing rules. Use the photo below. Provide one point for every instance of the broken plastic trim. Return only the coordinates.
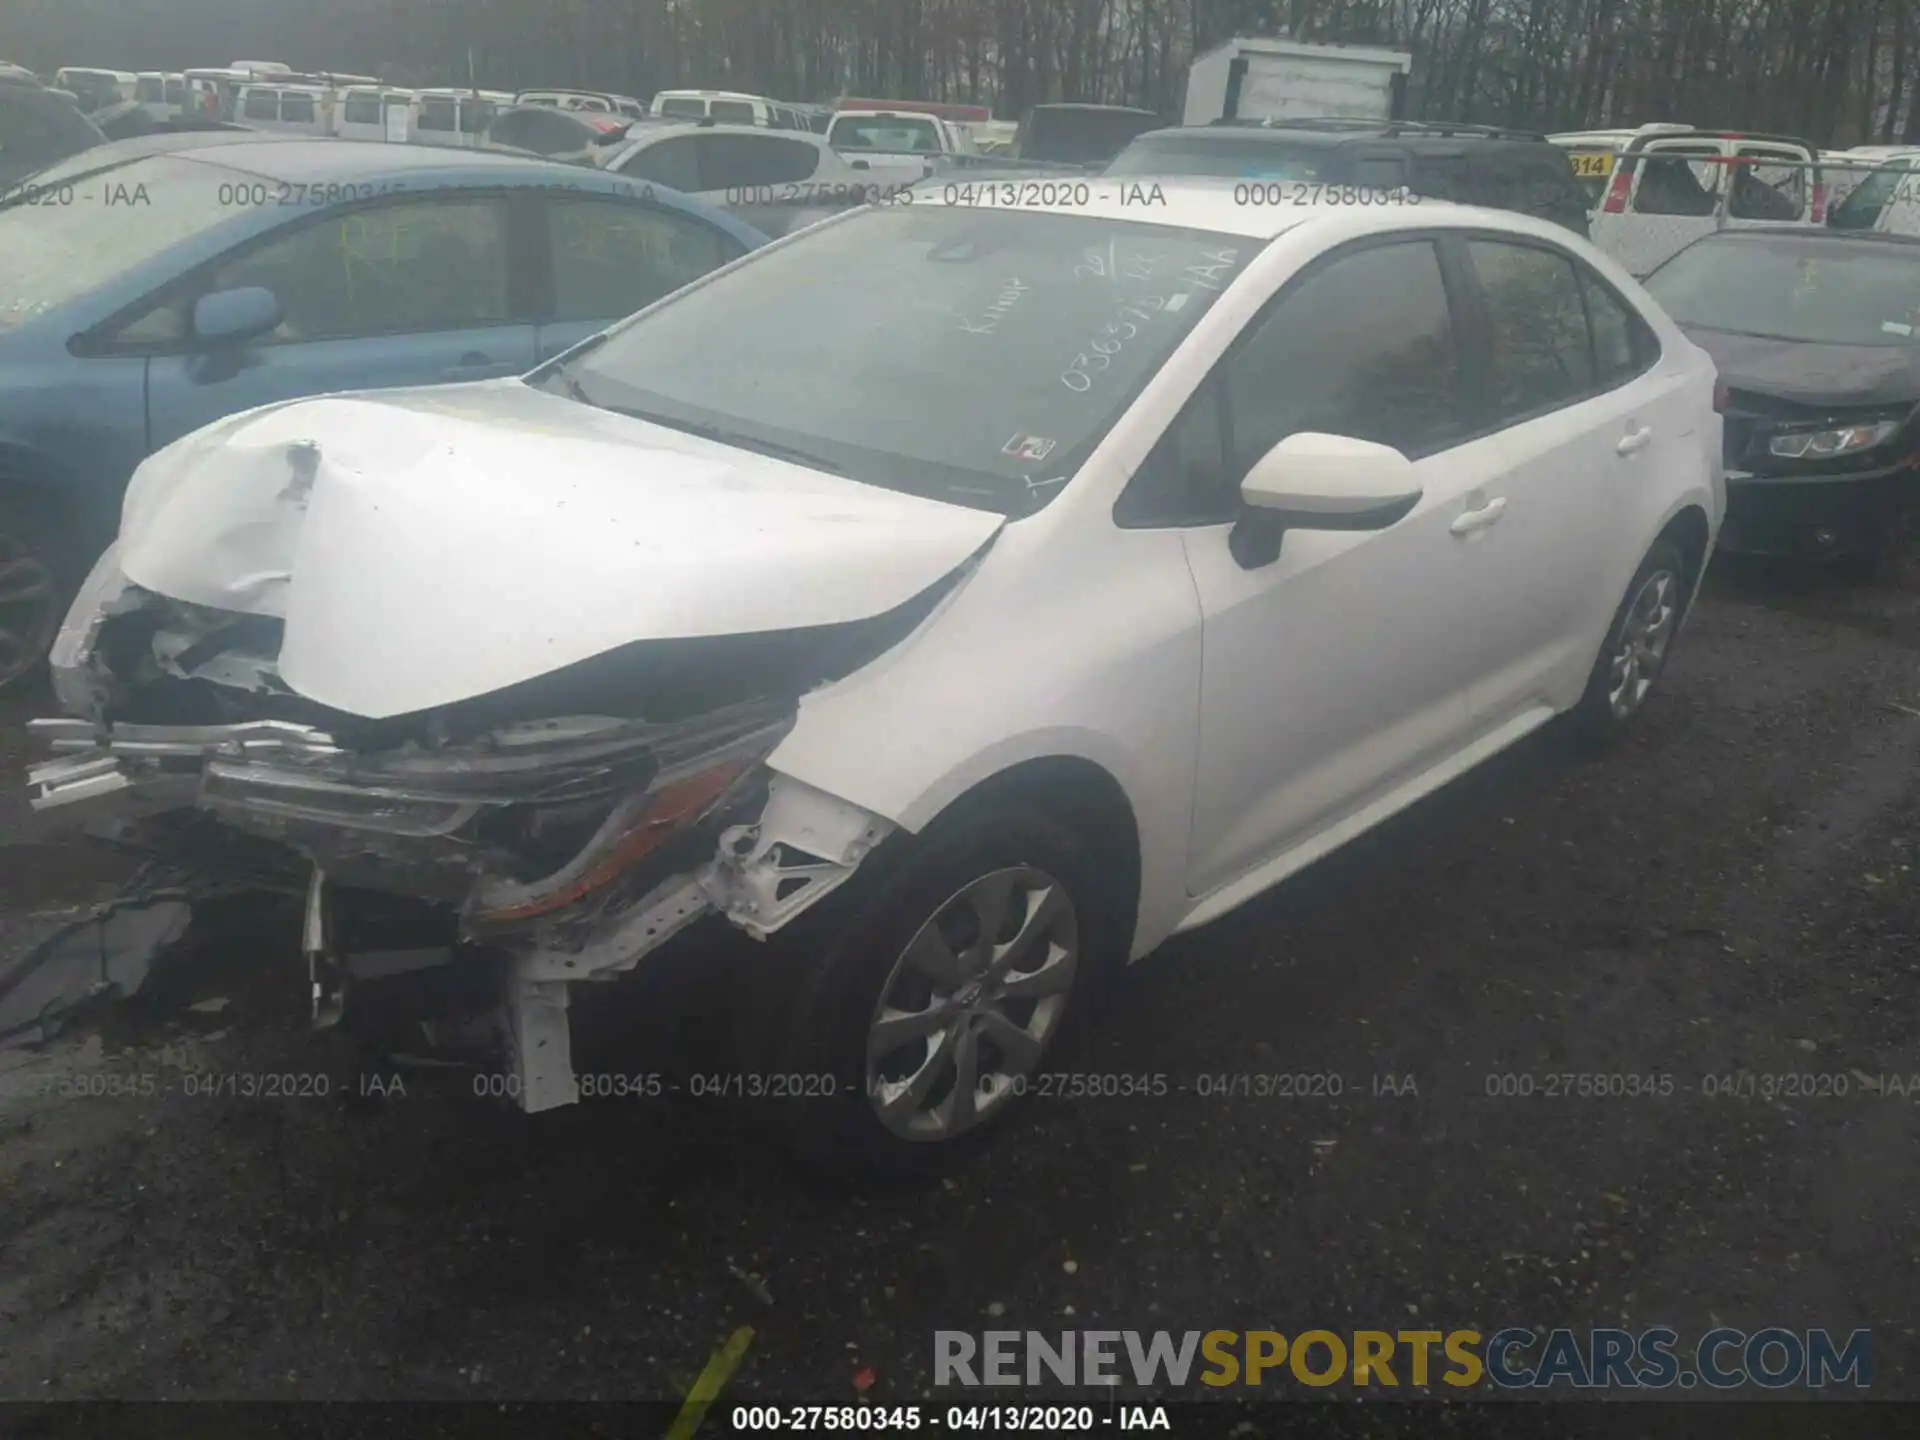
(676, 799)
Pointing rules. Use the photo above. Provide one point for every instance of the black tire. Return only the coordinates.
(1597, 720)
(819, 983)
(37, 581)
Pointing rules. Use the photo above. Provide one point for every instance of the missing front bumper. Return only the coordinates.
(693, 826)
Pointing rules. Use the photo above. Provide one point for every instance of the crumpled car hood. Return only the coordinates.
(1809, 374)
(455, 540)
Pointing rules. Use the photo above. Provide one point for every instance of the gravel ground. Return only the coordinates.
(1732, 890)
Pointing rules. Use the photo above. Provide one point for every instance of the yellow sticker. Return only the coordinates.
(1593, 164)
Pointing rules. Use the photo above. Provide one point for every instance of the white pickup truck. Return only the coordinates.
(905, 144)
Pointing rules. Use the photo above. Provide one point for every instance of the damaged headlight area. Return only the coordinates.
(551, 850)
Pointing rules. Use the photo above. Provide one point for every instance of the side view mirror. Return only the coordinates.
(231, 317)
(1311, 481)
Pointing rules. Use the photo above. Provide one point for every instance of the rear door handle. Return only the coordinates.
(1487, 514)
(1634, 440)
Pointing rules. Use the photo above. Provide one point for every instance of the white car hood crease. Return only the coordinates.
(458, 540)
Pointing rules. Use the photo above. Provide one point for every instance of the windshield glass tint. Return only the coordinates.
(976, 356)
(1228, 159)
(55, 252)
(1787, 288)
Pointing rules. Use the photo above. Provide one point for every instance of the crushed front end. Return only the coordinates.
(544, 837)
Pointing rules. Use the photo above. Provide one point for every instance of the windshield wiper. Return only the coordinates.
(722, 436)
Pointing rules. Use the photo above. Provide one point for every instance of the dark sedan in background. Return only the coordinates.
(1817, 336)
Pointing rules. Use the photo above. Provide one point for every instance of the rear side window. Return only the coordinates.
(613, 257)
(261, 105)
(361, 110)
(298, 108)
(1623, 346)
(1542, 352)
(729, 161)
(176, 92)
(673, 163)
(732, 112)
(683, 107)
(1767, 187)
(437, 114)
(1679, 180)
(1444, 177)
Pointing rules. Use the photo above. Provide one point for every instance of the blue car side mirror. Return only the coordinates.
(234, 316)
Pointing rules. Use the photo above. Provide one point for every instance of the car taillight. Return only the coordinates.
(1819, 202)
(1616, 202)
(1722, 397)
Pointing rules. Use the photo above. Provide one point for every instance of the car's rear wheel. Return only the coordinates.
(35, 582)
(918, 1014)
(1637, 646)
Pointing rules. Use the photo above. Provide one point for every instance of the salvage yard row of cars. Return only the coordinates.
(958, 598)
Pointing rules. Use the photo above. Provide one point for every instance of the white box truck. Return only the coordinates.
(1252, 79)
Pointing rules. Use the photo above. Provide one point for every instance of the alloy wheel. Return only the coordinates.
(969, 1007)
(1641, 645)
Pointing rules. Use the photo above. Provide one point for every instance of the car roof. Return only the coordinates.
(1209, 203)
(1329, 137)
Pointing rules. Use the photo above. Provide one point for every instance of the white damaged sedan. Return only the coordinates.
(959, 600)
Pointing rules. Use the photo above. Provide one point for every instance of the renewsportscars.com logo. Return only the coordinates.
(1515, 1358)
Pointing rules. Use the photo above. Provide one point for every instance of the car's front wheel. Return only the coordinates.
(1637, 645)
(920, 1019)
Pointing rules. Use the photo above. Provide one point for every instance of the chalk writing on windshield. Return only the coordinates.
(1113, 263)
(1012, 291)
(1110, 341)
(1212, 265)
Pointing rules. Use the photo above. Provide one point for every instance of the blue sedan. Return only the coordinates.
(151, 286)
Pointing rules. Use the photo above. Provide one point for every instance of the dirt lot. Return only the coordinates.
(1734, 890)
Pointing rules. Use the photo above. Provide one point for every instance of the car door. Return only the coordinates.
(1334, 673)
(1573, 437)
(411, 292)
(608, 256)
(1676, 199)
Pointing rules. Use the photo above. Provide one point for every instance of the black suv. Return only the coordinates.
(1472, 164)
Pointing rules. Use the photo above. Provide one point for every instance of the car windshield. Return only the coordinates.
(1228, 158)
(58, 251)
(899, 134)
(976, 356)
(1822, 292)
(1862, 208)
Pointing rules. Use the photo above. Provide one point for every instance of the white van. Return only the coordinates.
(296, 109)
(1655, 190)
(362, 111)
(445, 116)
(1886, 199)
(726, 107)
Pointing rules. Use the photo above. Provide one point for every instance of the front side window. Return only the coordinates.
(420, 265)
(1862, 208)
(261, 105)
(973, 355)
(613, 257)
(297, 108)
(1542, 353)
(684, 107)
(732, 112)
(437, 113)
(1363, 346)
(361, 110)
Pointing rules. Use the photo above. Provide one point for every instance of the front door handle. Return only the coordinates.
(1487, 514)
(1634, 440)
